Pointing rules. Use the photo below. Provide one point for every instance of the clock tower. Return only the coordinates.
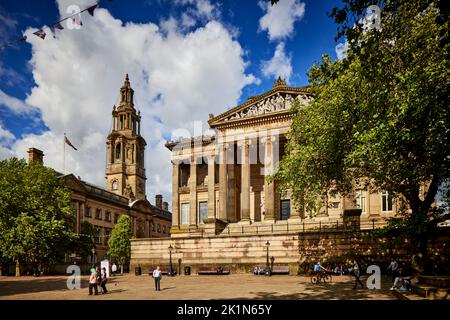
(125, 171)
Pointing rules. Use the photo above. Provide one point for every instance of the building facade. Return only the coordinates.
(125, 183)
(219, 182)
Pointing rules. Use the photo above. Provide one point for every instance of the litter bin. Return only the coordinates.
(138, 271)
(187, 271)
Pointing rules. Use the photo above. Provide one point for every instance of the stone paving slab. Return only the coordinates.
(194, 287)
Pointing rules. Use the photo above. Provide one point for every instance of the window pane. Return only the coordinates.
(285, 209)
(203, 211)
(185, 213)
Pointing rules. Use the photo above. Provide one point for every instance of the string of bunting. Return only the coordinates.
(56, 26)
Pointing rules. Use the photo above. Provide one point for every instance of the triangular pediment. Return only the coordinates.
(73, 183)
(276, 101)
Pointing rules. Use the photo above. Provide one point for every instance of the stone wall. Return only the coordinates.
(298, 250)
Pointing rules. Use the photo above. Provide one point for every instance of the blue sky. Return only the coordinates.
(46, 84)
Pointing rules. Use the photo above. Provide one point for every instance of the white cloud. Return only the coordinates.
(6, 137)
(202, 8)
(280, 18)
(279, 65)
(177, 77)
(15, 105)
(341, 50)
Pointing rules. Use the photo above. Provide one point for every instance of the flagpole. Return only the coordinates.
(64, 154)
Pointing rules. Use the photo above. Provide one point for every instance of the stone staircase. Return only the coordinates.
(428, 288)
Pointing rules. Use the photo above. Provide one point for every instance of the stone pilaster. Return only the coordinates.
(245, 182)
(211, 188)
(223, 183)
(269, 187)
(175, 195)
(193, 195)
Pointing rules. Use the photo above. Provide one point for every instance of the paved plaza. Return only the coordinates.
(237, 286)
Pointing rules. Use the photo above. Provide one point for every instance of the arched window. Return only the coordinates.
(114, 185)
(118, 146)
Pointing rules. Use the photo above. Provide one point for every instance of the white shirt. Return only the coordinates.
(156, 273)
(393, 266)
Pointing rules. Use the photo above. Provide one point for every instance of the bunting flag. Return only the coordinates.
(57, 25)
(91, 10)
(68, 142)
(41, 34)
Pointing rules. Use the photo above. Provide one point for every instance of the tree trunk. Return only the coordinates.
(17, 268)
(121, 269)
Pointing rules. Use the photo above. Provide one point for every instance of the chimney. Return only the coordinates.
(165, 206)
(158, 200)
(35, 155)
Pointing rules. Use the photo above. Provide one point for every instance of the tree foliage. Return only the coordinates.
(119, 243)
(381, 113)
(35, 213)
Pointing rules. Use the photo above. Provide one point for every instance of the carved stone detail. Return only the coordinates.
(275, 103)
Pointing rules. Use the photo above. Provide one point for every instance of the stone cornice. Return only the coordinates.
(217, 121)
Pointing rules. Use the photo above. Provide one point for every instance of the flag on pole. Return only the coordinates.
(41, 34)
(68, 142)
(91, 9)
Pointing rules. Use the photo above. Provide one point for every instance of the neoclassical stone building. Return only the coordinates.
(125, 182)
(226, 213)
(219, 181)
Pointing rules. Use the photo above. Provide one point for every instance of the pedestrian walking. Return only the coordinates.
(93, 282)
(157, 277)
(393, 269)
(357, 274)
(103, 281)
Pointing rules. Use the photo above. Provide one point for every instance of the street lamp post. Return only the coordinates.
(93, 256)
(268, 271)
(170, 257)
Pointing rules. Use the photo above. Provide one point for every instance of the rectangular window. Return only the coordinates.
(107, 234)
(185, 213)
(97, 235)
(116, 217)
(386, 200)
(285, 209)
(87, 212)
(98, 214)
(361, 200)
(334, 205)
(108, 216)
(202, 211)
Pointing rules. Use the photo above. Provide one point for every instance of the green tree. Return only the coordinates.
(119, 243)
(382, 113)
(35, 214)
(85, 241)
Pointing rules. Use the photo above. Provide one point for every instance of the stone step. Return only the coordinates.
(432, 293)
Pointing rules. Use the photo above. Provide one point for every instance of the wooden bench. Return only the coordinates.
(212, 270)
(280, 269)
(164, 270)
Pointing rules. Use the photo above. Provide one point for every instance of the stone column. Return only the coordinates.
(245, 182)
(295, 209)
(269, 188)
(193, 194)
(223, 183)
(211, 188)
(175, 195)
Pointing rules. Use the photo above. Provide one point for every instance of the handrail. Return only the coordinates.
(304, 227)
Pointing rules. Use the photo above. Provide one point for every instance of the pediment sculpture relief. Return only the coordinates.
(274, 103)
